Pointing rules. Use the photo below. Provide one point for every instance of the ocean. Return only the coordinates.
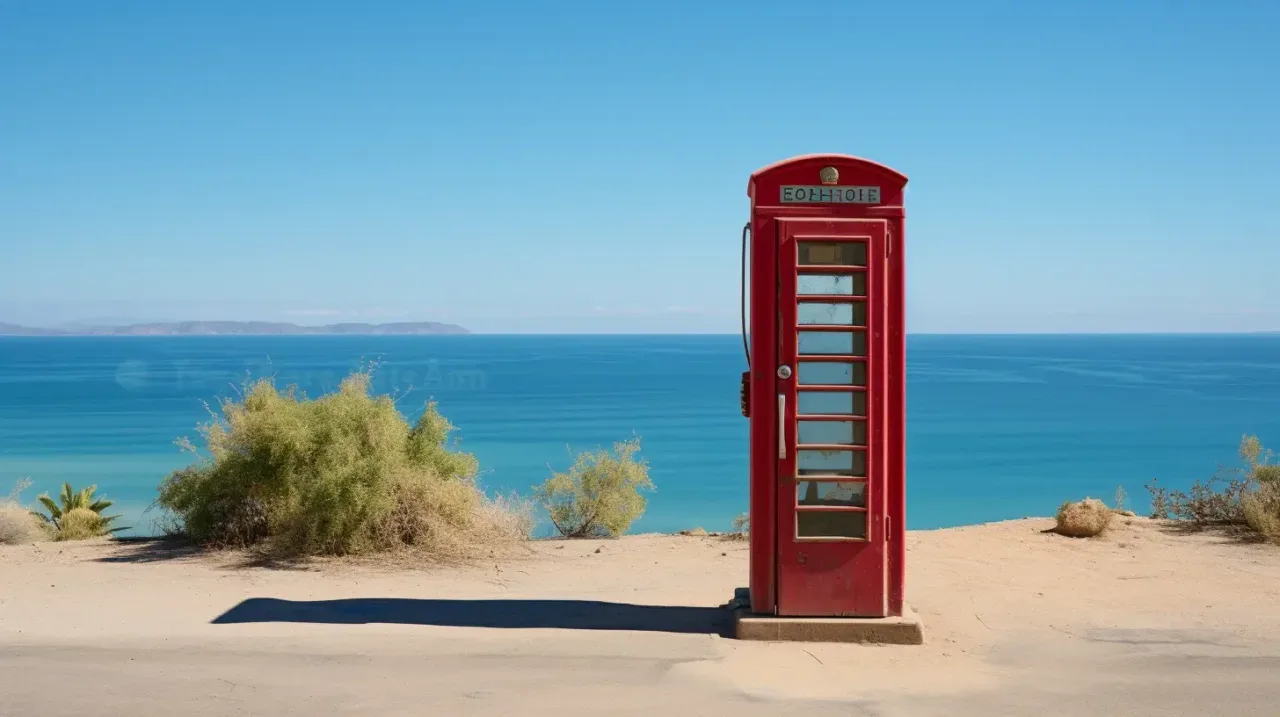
(998, 426)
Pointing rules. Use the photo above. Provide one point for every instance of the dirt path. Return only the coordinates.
(1017, 622)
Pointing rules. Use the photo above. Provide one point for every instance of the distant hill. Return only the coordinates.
(240, 328)
(15, 330)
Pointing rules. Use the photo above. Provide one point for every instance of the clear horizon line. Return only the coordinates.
(640, 333)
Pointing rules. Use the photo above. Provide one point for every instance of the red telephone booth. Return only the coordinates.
(826, 388)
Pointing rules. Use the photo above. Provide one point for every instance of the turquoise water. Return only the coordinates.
(998, 426)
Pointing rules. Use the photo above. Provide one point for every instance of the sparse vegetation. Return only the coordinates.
(741, 528)
(600, 495)
(1240, 496)
(18, 525)
(1084, 519)
(1122, 496)
(342, 474)
(77, 514)
(1262, 504)
(1262, 511)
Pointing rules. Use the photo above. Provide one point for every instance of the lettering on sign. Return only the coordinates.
(818, 194)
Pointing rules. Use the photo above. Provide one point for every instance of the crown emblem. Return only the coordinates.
(829, 175)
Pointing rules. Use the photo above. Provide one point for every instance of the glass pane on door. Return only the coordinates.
(844, 494)
(831, 524)
(844, 403)
(832, 253)
(849, 433)
(817, 343)
(817, 312)
(835, 463)
(832, 373)
(832, 284)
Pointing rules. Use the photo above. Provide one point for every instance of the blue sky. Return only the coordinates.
(569, 166)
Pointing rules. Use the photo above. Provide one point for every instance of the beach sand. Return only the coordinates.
(1145, 620)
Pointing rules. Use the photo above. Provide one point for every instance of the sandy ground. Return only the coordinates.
(1142, 622)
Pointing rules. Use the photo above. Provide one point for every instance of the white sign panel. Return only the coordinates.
(826, 194)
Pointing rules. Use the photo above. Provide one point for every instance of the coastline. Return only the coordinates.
(998, 429)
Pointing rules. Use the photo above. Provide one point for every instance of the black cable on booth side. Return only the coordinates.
(746, 349)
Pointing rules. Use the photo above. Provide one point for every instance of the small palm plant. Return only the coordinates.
(76, 515)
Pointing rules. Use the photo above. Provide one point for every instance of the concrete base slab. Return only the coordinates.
(905, 630)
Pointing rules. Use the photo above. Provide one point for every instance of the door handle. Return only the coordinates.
(782, 425)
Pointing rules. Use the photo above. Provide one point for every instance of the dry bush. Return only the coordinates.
(1262, 505)
(600, 495)
(1262, 511)
(18, 525)
(1086, 519)
(1239, 496)
(1216, 501)
(342, 474)
(741, 528)
(1121, 496)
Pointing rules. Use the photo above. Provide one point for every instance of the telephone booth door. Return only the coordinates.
(831, 509)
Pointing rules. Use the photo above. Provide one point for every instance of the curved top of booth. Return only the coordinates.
(811, 163)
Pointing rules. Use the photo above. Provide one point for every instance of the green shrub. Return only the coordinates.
(18, 525)
(77, 515)
(600, 495)
(342, 474)
(1220, 500)
(81, 524)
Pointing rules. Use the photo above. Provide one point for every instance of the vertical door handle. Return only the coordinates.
(782, 425)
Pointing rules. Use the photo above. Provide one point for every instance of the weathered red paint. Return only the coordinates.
(819, 576)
